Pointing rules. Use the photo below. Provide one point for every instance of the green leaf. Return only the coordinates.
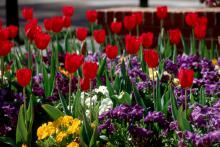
(125, 99)
(8, 141)
(101, 67)
(92, 142)
(52, 111)
(109, 87)
(173, 103)
(116, 85)
(21, 130)
(77, 110)
(46, 82)
(158, 96)
(202, 99)
(182, 120)
(138, 97)
(63, 102)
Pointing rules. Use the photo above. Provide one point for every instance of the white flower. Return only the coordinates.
(106, 105)
(103, 90)
(90, 101)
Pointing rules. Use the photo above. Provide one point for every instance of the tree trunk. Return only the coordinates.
(143, 3)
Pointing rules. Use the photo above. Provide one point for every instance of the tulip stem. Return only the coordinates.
(25, 109)
(92, 39)
(137, 31)
(174, 53)
(154, 91)
(185, 99)
(2, 70)
(70, 91)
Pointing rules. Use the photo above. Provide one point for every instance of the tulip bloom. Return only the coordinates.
(175, 36)
(90, 70)
(91, 15)
(111, 51)
(68, 11)
(48, 24)
(151, 58)
(200, 31)
(162, 12)
(13, 31)
(67, 21)
(42, 40)
(99, 36)
(202, 21)
(4, 33)
(81, 33)
(31, 29)
(138, 18)
(84, 84)
(23, 76)
(5, 47)
(57, 24)
(27, 13)
(116, 27)
(73, 62)
(147, 39)
(185, 77)
(132, 44)
(191, 19)
(129, 22)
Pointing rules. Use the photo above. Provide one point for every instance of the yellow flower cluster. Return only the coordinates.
(60, 129)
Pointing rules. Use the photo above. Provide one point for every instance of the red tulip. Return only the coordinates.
(147, 39)
(111, 51)
(175, 36)
(5, 47)
(132, 44)
(84, 84)
(67, 21)
(138, 17)
(99, 36)
(90, 70)
(57, 24)
(73, 62)
(191, 19)
(91, 15)
(4, 33)
(68, 11)
(162, 12)
(23, 76)
(129, 22)
(151, 58)
(42, 40)
(27, 13)
(81, 33)
(200, 31)
(31, 29)
(48, 24)
(13, 31)
(116, 27)
(202, 21)
(185, 77)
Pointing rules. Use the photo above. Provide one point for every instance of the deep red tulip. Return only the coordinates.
(13, 31)
(84, 84)
(57, 24)
(129, 22)
(48, 24)
(42, 40)
(191, 19)
(162, 12)
(81, 33)
(175, 36)
(4, 33)
(138, 17)
(185, 77)
(202, 21)
(147, 39)
(91, 15)
(111, 51)
(116, 27)
(99, 36)
(200, 31)
(132, 44)
(151, 58)
(5, 47)
(73, 62)
(31, 29)
(23, 76)
(27, 13)
(90, 70)
(68, 11)
(67, 21)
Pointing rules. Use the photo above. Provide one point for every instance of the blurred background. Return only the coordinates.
(48, 8)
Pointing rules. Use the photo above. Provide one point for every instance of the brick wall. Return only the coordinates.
(175, 19)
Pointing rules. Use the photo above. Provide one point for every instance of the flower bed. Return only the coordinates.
(94, 87)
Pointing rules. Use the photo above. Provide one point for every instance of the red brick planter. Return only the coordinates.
(175, 19)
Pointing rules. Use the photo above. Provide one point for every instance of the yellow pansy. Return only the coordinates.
(214, 61)
(45, 130)
(176, 82)
(60, 137)
(153, 74)
(74, 128)
(73, 144)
